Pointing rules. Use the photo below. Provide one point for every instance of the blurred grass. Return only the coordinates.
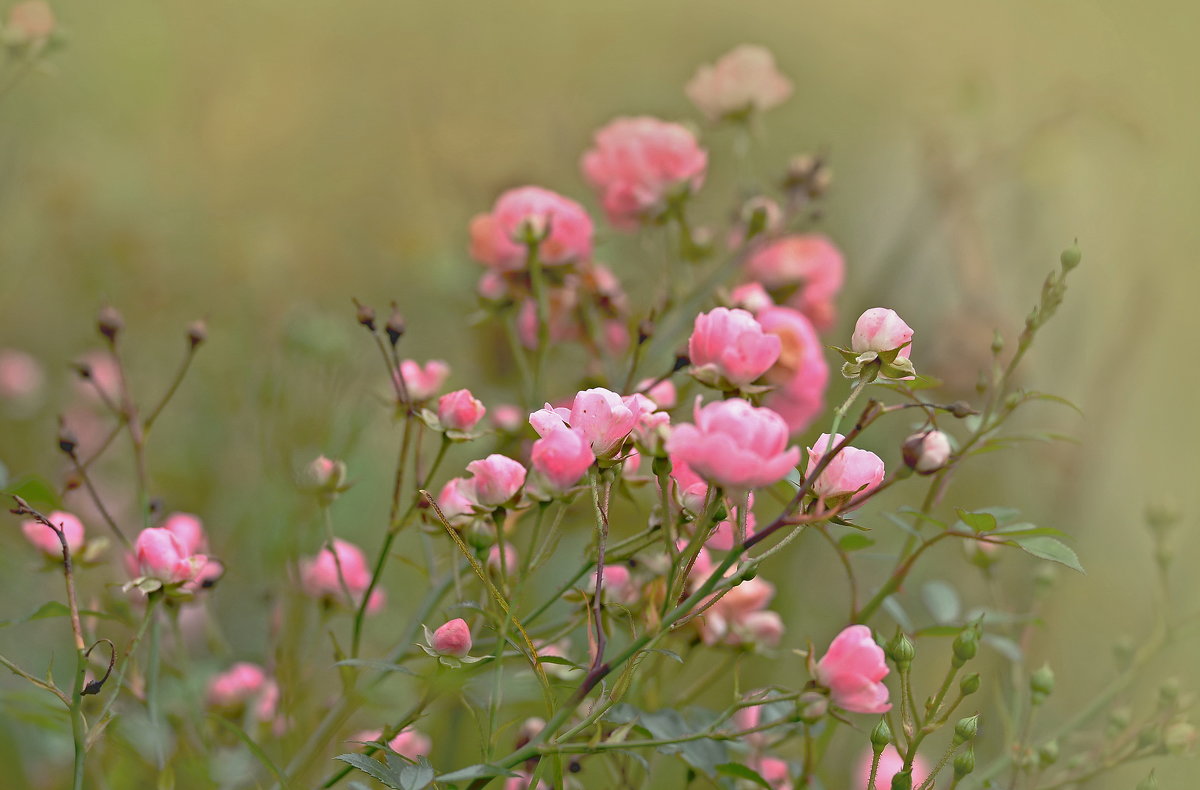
(258, 164)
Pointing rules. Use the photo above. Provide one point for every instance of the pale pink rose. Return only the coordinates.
(561, 457)
(801, 372)
(637, 164)
(602, 416)
(762, 628)
(189, 529)
(423, 382)
(510, 558)
(411, 743)
(743, 80)
(30, 21)
(319, 575)
(21, 377)
(651, 431)
(457, 501)
(777, 772)
(880, 329)
(460, 410)
(751, 297)
(691, 490)
(735, 445)
(564, 324)
(161, 555)
(807, 269)
(618, 584)
(452, 639)
(44, 538)
(852, 472)
(890, 764)
(496, 479)
(729, 349)
(507, 417)
(927, 452)
(663, 393)
(494, 286)
(853, 670)
(234, 687)
(497, 239)
(749, 596)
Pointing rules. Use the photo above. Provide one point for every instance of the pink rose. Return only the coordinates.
(564, 324)
(722, 536)
(319, 575)
(561, 457)
(890, 764)
(496, 479)
(163, 556)
(507, 417)
(21, 377)
(735, 445)
(452, 639)
(663, 393)
(927, 452)
(30, 21)
(729, 349)
(602, 416)
(853, 670)
(777, 772)
(457, 501)
(460, 411)
(637, 164)
(880, 329)
(497, 239)
(807, 265)
(189, 529)
(422, 383)
(851, 472)
(741, 81)
(801, 372)
(751, 297)
(232, 688)
(510, 559)
(43, 538)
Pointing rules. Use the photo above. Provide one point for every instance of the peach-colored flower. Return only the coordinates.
(734, 445)
(743, 80)
(637, 164)
(853, 670)
(497, 239)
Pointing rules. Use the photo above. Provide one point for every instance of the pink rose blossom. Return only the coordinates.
(319, 575)
(880, 329)
(163, 556)
(189, 529)
(21, 377)
(691, 490)
(890, 764)
(510, 559)
(602, 416)
(44, 538)
(852, 472)
(853, 670)
(497, 239)
(507, 417)
(561, 457)
(452, 639)
(496, 479)
(460, 411)
(564, 324)
(801, 372)
(729, 349)
(30, 21)
(751, 297)
(324, 474)
(743, 80)
(777, 772)
(637, 164)
(234, 687)
(735, 445)
(722, 536)
(457, 500)
(762, 628)
(618, 584)
(807, 265)
(663, 393)
(422, 383)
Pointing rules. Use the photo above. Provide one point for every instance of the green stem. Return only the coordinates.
(152, 680)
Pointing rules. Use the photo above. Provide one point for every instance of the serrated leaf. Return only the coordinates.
(372, 768)
(739, 771)
(855, 541)
(941, 600)
(412, 776)
(1048, 548)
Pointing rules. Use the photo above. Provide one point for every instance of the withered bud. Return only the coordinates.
(395, 325)
(365, 315)
(682, 360)
(109, 322)
(197, 332)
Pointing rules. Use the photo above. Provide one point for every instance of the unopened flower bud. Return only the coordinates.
(452, 639)
(395, 326)
(927, 452)
(902, 780)
(961, 409)
(364, 314)
(1149, 736)
(324, 474)
(1071, 257)
(969, 684)
(965, 729)
(1119, 719)
(67, 441)
(881, 736)
(645, 330)
(110, 323)
(901, 651)
(997, 343)
(966, 645)
(964, 763)
(1048, 753)
(197, 332)
(1041, 683)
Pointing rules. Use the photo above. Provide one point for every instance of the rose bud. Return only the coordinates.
(452, 639)
(853, 670)
(460, 411)
(44, 538)
(561, 457)
(880, 329)
(496, 479)
(926, 452)
(161, 555)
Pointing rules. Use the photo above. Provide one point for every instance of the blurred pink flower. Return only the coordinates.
(777, 772)
(751, 297)
(452, 639)
(507, 417)
(637, 164)
(804, 269)
(853, 670)
(29, 22)
(235, 686)
(189, 529)
(691, 490)
(460, 410)
(497, 238)
(735, 445)
(319, 575)
(890, 764)
(102, 375)
(409, 742)
(423, 382)
(851, 472)
(729, 349)
(801, 372)
(44, 539)
(561, 457)
(743, 80)
(21, 378)
(510, 559)
(880, 329)
(457, 500)
(663, 393)
(496, 479)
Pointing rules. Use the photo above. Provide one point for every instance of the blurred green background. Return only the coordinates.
(259, 163)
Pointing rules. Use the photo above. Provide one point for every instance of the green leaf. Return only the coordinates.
(373, 768)
(739, 771)
(668, 653)
(979, 521)
(480, 771)
(55, 609)
(941, 600)
(1025, 529)
(1047, 548)
(855, 541)
(412, 776)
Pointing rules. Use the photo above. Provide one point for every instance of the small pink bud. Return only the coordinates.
(729, 349)
(853, 670)
(161, 555)
(324, 474)
(851, 472)
(507, 417)
(496, 479)
(43, 538)
(452, 639)
(926, 453)
(460, 411)
(880, 329)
